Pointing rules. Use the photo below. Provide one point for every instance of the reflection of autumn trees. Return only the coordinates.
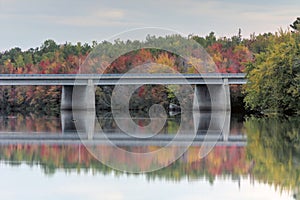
(271, 156)
(274, 146)
(30, 123)
(222, 161)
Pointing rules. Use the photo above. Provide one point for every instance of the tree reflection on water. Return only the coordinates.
(272, 155)
(274, 146)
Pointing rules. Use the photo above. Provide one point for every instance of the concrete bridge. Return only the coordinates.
(209, 88)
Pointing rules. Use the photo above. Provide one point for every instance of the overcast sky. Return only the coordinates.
(27, 23)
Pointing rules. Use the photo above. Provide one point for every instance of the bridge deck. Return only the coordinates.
(114, 79)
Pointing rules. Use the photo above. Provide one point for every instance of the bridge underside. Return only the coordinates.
(212, 97)
(78, 97)
(206, 97)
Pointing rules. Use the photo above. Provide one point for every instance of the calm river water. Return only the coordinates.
(42, 157)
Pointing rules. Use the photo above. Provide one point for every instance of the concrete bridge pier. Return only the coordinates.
(212, 97)
(78, 97)
(66, 97)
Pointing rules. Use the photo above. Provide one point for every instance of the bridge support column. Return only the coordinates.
(78, 97)
(66, 97)
(212, 97)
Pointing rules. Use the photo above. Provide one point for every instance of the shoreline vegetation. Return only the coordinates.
(270, 60)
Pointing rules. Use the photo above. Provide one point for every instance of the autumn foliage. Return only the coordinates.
(52, 58)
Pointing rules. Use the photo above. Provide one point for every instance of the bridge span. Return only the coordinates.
(209, 87)
(114, 79)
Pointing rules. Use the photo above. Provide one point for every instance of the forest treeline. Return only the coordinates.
(271, 61)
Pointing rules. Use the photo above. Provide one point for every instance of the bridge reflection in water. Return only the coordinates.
(261, 161)
(212, 128)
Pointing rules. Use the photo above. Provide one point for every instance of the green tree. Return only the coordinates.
(209, 40)
(49, 46)
(273, 79)
(20, 61)
(259, 43)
